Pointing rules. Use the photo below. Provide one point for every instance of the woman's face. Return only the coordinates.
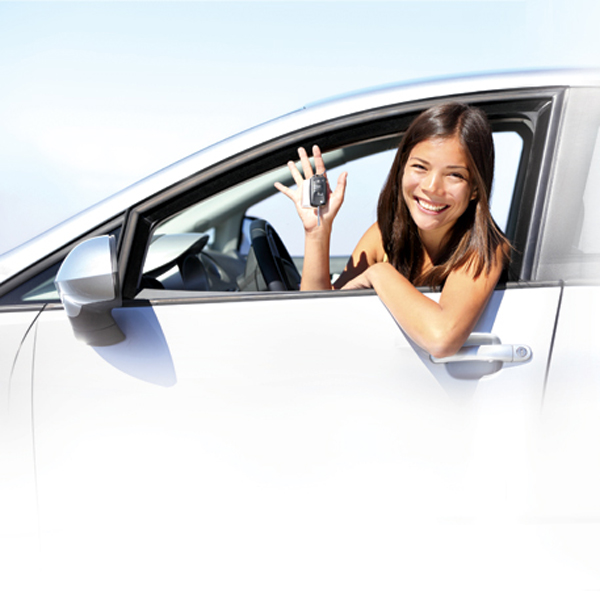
(437, 183)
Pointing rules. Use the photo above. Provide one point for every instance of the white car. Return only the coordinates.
(179, 421)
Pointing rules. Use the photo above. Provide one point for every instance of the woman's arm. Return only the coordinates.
(440, 328)
(317, 228)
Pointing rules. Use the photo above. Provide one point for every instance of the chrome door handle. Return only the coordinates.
(486, 347)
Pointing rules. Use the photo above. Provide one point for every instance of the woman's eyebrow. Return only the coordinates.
(446, 167)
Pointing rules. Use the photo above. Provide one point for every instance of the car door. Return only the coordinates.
(272, 424)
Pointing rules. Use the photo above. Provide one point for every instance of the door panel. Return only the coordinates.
(301, 440)
(19, 540)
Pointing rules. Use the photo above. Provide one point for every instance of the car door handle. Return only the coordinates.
(487, 347)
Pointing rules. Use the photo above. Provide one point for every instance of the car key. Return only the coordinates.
(315, 194)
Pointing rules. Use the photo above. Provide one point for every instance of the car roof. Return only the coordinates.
(18, 259)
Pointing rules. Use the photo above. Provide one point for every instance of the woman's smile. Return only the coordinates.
(430, 207)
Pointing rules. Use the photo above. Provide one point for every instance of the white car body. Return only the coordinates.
(289, 444)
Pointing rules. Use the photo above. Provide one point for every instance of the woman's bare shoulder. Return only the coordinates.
(466, 287)
(372, 243)
(368, 251)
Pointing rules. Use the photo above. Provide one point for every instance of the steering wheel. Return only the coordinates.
(273, 259)
(181, 249)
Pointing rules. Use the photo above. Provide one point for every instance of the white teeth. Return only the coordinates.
(433, 207)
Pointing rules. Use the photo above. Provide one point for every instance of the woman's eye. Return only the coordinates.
(458, 176)
(418, 167)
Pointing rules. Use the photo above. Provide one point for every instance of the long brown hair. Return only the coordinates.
(475, 237)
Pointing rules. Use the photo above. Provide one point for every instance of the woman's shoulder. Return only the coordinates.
(372, 244)
(368, 251)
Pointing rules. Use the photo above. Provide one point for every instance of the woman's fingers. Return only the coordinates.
(307, 169)
(340, 188)
(319, 164)
(305, 162)
(297, 176)
(337, 196)
(284, 190)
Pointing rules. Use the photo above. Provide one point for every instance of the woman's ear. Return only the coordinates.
(474, 194)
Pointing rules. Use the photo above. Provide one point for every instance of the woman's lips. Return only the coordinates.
(430, 207)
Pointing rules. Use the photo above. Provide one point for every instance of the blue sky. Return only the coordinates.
(96, 95)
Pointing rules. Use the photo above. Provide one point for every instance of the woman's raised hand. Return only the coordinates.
(309, 216)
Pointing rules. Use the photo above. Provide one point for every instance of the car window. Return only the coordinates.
(508, 146)
(584, 255)
(218, 227)
(39, 289)
(589, 240)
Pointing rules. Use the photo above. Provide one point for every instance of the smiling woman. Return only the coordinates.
(434, 227)
(447, 155)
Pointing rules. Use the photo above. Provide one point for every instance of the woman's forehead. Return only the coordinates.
(444, 150)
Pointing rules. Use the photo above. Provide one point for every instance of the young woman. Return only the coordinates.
(434, 228)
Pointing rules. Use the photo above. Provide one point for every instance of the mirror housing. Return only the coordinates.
(88, 285)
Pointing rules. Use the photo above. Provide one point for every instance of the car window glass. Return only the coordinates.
(45, 291)
(508, 146)
(40, 288)
(589, 241)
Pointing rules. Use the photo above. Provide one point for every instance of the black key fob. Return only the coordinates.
(318, 190)
(314, 192)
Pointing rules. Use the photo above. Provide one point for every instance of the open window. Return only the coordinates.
(206, 246)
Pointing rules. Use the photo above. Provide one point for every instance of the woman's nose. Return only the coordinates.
(433, 183)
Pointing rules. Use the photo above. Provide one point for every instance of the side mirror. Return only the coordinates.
(87, 283)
